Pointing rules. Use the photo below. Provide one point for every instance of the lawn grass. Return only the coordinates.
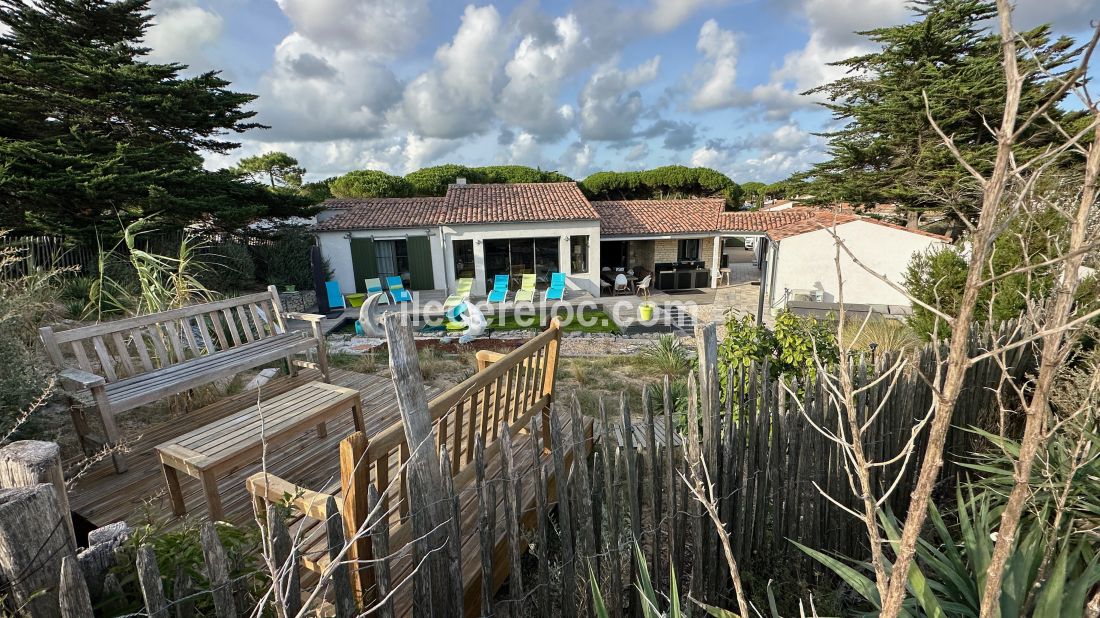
(597, 322)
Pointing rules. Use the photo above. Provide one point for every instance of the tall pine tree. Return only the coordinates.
(887, 150)
(93, 135)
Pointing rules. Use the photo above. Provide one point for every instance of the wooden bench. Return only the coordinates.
(131, 362)
(510, 392)
(220, 448)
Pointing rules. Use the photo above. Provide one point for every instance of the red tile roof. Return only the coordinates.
(825, 219)
(497, 203)
(760, 220)
(631, 217)
(383, 212)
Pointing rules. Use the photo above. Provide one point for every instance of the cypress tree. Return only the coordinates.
(93, 135)
(887, 150)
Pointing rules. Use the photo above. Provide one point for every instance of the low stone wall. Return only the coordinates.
(304, 301)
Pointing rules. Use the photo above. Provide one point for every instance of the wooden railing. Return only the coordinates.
(504, 395)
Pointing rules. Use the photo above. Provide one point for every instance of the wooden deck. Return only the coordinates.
(102, 497)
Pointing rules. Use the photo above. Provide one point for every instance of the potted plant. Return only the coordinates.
(290, 288)
(645, 309)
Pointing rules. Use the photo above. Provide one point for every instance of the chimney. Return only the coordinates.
(460, 180)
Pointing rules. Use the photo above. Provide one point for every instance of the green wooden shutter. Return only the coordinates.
(364, 263)
(420, 263)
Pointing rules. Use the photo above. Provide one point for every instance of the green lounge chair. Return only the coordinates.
(499, 293)
(374, 286)
(526, 291)
(462, 292)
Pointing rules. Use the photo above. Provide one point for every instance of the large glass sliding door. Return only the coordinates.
(521, 256)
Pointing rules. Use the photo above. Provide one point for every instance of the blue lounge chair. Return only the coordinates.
(397, 290)
(335, 296)
(500, 289)
(556, 291)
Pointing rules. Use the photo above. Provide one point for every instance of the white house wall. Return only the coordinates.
(336, 249)
(806, 262)
(563, 230)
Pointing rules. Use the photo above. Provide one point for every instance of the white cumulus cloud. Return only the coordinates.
(369, 26)
(455, 98)
(180, 31)
(716, 75)
(611, 103)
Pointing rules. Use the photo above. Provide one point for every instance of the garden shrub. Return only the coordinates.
(670, 181)
(286, 261)
(228, 267)
(179, 549)
(790, 348)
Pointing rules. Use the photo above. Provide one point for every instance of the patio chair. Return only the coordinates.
(374, 286)
(462, 292)
(500, 289)
(643, 285)
(397, 290)
(556, 291)
(335, 296)
(622, 286)
(526, 291)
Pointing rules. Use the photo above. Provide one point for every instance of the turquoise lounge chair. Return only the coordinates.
(335, 296)
(397, 290)
(556, 291)
(500, 289)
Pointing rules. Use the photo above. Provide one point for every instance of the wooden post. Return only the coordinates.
(217, 571)
(539, 479)
(288, 593)
(354, 479)
(29, 462)
(425, 484)
(611, 498)
(486, 523)
(510, 485)
(33, 540)
(709, 408)
(73, 592)
(565, 520)
(156, 605)
(633, 487)
(346, 606)
(454, 528)
(582, 494)
(549, 370)
(380, 542)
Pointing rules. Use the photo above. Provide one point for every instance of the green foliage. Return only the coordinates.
(434, 180)
(1054, 564)
(667, 356)
(753, 187)
(316, 192)
(937, 277)
(286, 262)
(887, 335)
(27, 296)
(179, 549)
(160, 282)
(790, 348)
(227, 267)
(370, 183)
(672, 181)
(886, 149)
(94, 132)
(276, 169)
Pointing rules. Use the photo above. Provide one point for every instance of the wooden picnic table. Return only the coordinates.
(219, 448)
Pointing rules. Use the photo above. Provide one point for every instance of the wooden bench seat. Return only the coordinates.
(120, 365)
(147, 387)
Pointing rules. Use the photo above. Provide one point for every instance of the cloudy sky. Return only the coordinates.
(570, 86)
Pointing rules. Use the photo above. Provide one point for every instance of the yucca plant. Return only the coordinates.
(667, 356)
(887, 335)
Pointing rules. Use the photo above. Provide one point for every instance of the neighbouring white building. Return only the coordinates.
(479, 231)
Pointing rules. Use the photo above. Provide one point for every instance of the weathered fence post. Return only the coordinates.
(73, 592)
(338, 566)
(33, 540)
(425, 485)
(156, 605)
(613, 564)
(217, 571)
(486, 523)
(354, 478)
(511, 487)
(380, 541)
(288, 593)
(29, 462)
(454, 528)
(565, 519)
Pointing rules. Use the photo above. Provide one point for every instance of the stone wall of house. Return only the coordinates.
(639, 253)
(664, 251)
